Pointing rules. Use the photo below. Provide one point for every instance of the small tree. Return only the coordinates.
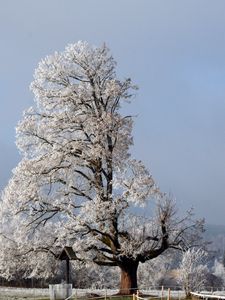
(76, 184)
(192, 272)
(219, 271)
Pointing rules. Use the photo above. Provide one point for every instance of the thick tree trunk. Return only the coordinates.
(128, 283)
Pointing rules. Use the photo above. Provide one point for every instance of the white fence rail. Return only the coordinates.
(207, 295)
(94, 294)
(161, 293)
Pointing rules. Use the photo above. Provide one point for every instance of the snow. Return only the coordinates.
(8, 293)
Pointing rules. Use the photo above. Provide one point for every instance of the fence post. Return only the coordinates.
(76, 294)
(162, 292)
(168, 296)
(133, 296)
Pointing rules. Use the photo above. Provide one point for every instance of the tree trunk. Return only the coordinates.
(128, 283)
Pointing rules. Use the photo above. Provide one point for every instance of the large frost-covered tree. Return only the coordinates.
(76, 184)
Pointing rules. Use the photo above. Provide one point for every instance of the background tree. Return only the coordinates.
(76, 184)
(193, 270)
(219, 271)
(156, 272)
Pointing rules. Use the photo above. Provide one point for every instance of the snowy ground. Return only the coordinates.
(22, 293)
(31, 294)
(7, 293)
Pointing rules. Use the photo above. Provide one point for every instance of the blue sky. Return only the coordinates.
(174, 51)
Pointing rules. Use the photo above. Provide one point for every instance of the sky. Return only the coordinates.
(173, 50)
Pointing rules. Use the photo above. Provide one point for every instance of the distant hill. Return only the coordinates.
(215, 234)
(212, 230)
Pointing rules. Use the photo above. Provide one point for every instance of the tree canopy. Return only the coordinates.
(77, 184)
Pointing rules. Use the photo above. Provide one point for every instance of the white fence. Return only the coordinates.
(91, 294)
(107, 294)
(207, 295)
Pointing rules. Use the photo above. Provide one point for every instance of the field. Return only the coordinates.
(79, 294)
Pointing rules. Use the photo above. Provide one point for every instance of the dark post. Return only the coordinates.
(67, 254)
(67, 271)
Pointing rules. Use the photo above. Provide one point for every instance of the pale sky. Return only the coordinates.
(174, 50)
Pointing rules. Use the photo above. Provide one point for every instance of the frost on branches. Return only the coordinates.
(76, 184)
(193, 270)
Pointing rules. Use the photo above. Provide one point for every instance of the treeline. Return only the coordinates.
(195, 269)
